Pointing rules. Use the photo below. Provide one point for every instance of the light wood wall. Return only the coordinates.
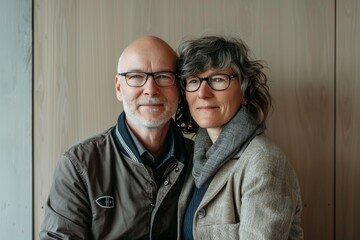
(77, 44)
(347, 119)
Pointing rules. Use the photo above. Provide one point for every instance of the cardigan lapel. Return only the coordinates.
(218, 182)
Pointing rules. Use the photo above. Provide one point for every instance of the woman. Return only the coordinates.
(241, 185)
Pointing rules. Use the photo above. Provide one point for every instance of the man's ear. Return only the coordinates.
(118, 87)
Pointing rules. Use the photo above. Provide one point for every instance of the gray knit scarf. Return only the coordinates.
(234, 137)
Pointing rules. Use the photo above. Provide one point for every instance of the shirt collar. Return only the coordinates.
(147, 157)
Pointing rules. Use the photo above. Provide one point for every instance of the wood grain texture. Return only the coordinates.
(77, 44)
(302, 84)
(347, 119)
(55, 92)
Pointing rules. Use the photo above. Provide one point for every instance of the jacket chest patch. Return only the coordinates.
(105, 202)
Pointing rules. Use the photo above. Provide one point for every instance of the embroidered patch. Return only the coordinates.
(105, 201)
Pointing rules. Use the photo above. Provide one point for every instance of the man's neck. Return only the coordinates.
(152, 139)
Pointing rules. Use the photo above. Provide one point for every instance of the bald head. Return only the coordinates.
(147, 54)
(148, 106)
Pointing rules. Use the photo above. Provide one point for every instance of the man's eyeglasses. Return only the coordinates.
(217, 82)
(138, 79)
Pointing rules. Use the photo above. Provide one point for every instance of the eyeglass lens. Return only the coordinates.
(217, 82)
(138, 79)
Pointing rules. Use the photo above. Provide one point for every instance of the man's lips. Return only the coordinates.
(151, 105)
(151, 102)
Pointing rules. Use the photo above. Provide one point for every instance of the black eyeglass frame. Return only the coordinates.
(147, 74)
(182, 82)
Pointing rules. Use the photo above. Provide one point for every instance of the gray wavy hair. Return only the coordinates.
(201, 54)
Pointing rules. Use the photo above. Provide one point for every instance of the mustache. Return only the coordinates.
(151, 101)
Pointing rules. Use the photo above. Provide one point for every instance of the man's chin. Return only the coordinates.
(154, 123)
(151, 123)
(146, 120)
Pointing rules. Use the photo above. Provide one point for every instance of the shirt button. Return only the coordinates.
(177, 169)
(201, 213)
(166, 183)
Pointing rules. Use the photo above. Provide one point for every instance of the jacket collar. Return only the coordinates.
(128, 146)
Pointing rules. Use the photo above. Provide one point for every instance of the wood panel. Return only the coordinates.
(55, 92)
(302, 84)
(15, 119)
(347, 119)
(77, 44)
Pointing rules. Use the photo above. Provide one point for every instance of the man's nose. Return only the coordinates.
(150, 87)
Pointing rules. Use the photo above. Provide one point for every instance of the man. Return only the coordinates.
(125, 182)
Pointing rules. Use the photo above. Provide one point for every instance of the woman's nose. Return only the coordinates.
(204, 90)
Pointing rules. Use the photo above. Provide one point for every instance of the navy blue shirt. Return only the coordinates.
(197, 196)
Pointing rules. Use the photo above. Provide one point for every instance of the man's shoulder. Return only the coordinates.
(96, 142)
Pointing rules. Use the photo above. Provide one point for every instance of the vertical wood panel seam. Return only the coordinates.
(33, 119)
(335, 114)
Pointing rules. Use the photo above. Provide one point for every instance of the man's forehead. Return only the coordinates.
(147, 59)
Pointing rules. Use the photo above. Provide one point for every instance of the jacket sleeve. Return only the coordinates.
(271, 202)
(67, 211)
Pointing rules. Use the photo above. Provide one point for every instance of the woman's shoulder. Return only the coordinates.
(264, 146)
(262, 155)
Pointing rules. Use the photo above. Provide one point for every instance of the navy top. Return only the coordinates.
(197, 196)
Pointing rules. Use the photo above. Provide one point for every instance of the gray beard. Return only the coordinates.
(143, 123)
